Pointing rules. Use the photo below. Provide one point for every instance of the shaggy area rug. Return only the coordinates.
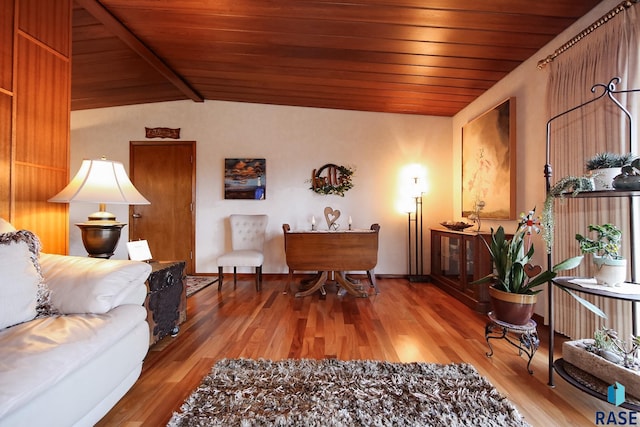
(330, 392)
(197, 283)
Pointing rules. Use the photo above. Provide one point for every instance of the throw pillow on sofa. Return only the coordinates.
(23, 295)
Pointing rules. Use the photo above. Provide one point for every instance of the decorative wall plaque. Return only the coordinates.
(162, 133)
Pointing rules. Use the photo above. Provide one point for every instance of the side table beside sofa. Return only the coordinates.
(166, 301)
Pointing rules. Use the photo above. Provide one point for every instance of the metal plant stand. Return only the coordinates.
(605, 92)
(523, 337)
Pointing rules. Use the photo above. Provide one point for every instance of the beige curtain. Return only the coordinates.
(610, 51)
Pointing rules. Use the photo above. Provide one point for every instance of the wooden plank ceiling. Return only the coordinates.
(430, 57)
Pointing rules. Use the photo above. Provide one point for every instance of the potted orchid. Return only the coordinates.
(515, 281)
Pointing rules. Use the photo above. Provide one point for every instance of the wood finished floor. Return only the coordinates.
(406, 322)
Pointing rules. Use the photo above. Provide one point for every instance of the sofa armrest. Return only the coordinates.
(92, 285)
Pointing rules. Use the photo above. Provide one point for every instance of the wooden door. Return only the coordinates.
(164, 172)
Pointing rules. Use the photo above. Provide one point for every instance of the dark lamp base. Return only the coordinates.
(100, 237)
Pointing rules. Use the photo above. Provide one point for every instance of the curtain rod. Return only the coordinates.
(603, 20)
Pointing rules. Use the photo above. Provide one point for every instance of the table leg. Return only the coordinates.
(318, 284)
(348, 286)
(372, 278)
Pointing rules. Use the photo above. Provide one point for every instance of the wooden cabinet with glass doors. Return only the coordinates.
(457, 259)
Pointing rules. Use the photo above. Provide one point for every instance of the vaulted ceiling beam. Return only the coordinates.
(117, 28)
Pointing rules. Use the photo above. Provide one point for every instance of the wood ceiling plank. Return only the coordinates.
(460, 86)
(561, 8)
(419, 65)
(324, 46)
(486, 18)
(344, 70)
(338, 102)
(408, 91)
(542, 7)
(196, 27)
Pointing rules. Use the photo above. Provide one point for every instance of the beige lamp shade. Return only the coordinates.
(101, 181)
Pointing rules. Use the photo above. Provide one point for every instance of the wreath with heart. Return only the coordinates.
(332, 179)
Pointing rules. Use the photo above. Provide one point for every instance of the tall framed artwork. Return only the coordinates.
(245, 179)
(489, 163)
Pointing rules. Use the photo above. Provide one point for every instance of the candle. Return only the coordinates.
(350, 221)
(313, 220)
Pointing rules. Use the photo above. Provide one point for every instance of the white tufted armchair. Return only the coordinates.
(247, 242)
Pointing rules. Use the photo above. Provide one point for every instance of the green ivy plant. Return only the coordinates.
(569, 185)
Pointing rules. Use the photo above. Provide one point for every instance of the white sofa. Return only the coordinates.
(70, 367)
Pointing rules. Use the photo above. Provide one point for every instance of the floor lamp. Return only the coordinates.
(101, 181)
(415, 240)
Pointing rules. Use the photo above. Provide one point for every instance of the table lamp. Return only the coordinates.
(101, 181)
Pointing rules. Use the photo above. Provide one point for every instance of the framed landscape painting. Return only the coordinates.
(245, 179)
(489, 163)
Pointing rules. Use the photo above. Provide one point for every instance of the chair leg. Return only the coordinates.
(220, 278)
(235, 277)
(258, 278)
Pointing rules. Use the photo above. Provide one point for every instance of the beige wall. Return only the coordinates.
(294, 141)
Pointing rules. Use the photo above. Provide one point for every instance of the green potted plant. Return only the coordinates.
(611, 267)
(629, 178)
(515, 281)
(603, 167)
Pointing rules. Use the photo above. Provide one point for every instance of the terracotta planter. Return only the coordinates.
(515, 309)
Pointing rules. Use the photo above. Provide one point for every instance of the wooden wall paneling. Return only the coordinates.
(42, 100)
(48, 22)
(6, 44)
(42, 142)
(34, 185)
(5, 154)
(40, 154)
(6, 103)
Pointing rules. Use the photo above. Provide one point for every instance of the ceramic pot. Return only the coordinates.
(515, 309)
(610, 272)
(627, 182)
(603, 178)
